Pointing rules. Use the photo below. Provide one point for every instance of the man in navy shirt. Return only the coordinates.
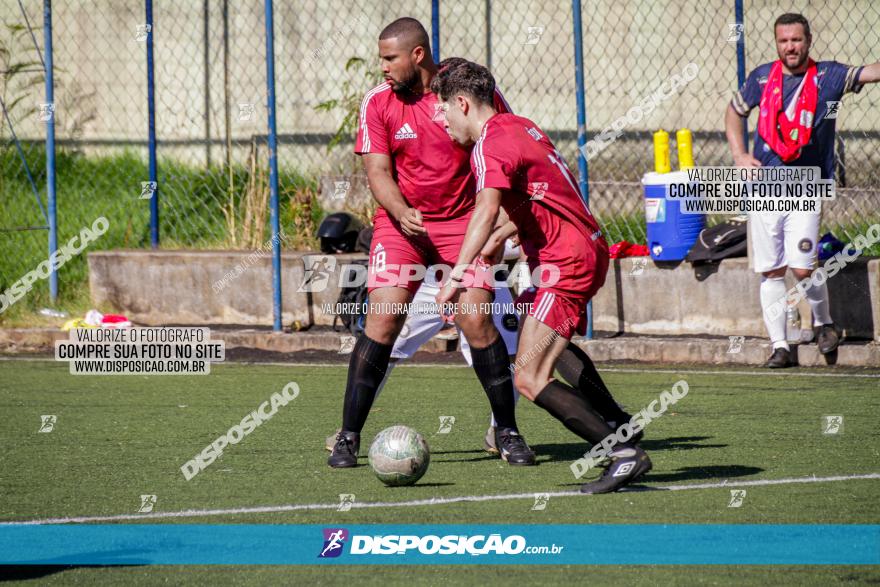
(796, 129)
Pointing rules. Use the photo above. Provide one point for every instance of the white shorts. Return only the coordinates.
(420, 327)
(784, 240)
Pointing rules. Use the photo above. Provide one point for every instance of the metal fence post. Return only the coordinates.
(741, 58)
(435, 30)
(151, 129)
(273, 169)
(489, 35)
(583, 171)
(50, 148)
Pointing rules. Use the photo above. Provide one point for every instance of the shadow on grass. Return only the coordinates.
(549, 453)
(38, 571)
(418, 485)
(710, 473)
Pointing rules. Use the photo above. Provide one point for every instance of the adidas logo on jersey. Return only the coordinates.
(405, 132)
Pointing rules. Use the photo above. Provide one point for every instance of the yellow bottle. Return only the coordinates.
(685, 144)
(661, 152)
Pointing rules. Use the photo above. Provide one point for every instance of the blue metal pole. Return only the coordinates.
(50, 148)
(583, 171)
(435, 30)
(151, 129)
(741, 59)
(273, 169)
(581, 106)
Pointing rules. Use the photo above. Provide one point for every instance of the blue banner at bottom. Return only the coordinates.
(259, 544)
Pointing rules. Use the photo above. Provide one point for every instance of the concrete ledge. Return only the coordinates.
(42, 340)
(644, 349)
(30, 340)
(156, 288)
(638, 299)
(235, 288)
(301, 341)
(754, 352)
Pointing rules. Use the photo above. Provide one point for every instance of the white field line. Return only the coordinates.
(751, 373)
(420, 502)
(604, 370)
(768, 372)
(408, 365)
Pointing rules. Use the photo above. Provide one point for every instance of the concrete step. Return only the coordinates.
(715, 351)
(648, 349)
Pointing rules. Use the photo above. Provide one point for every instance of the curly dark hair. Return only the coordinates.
(459, 76)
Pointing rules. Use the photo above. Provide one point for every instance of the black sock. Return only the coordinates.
(567, 406)
(579, 371)
(369, 361)
(492, 365)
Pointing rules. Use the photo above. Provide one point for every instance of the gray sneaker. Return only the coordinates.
(330, 442)
(489, 441)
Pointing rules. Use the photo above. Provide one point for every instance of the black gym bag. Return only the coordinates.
(722, 241)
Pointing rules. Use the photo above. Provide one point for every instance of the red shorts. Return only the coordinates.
(563, 307)
(564, 313)
(398, 260)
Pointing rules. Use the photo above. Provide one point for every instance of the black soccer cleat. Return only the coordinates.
(345, 451)
(780, 359)
(625, 465)
(513, 448)
(828, 338)
(635, 438)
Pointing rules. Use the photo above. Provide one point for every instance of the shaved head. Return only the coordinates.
(409, 33)
(405, 54)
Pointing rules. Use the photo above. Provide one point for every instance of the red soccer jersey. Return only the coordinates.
(431, 170)
(539, 192)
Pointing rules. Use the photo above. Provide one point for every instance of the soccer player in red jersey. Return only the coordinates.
(519, 169)
(424, 186)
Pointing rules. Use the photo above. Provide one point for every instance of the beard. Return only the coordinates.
(801, 60)
(407, 83)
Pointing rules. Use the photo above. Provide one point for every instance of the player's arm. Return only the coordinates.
(735, 118)
(387, 194)
(479, 229)
(734, 125)
(504, 229)
(870, 74)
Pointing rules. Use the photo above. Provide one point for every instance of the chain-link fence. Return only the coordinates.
(632, 48)
(23, 216)
(210, 96)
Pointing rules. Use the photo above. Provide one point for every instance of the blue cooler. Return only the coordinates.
(671, 234)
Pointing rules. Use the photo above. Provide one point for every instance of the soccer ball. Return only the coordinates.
(399, 456)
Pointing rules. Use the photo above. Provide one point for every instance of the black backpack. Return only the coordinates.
(364, 240)
(722, 241)
(354, 301)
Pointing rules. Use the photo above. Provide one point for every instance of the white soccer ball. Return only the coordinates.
(399, 456)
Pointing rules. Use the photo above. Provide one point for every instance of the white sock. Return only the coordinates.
(773, 306)
(818, 298)
(493, 423)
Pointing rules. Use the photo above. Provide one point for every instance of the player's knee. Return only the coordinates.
(775, 274)
(383, 328)
(479, 330)
(801, 274)
(527, 384)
